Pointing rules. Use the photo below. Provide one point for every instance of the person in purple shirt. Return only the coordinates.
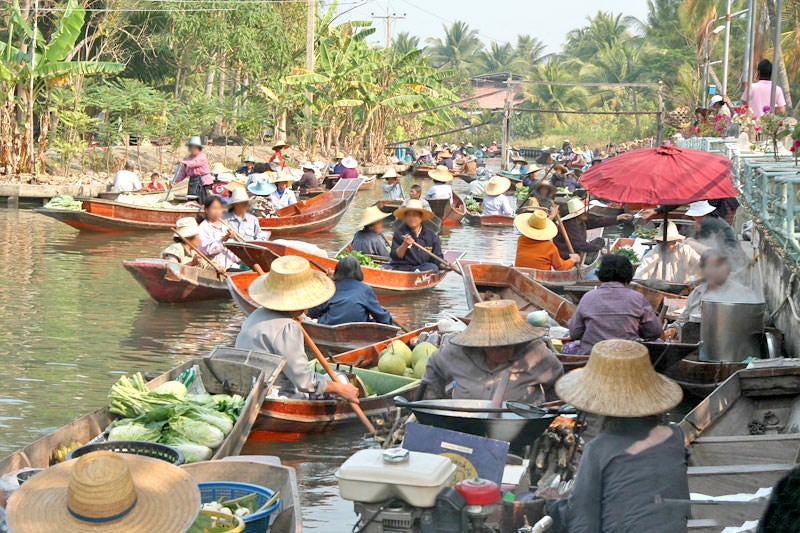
(354, 301)
(612, 311)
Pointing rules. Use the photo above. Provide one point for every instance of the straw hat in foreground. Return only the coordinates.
(619, 380)
(672, 233)
(109, 492)
(444, 154)
(239, 196)
(497, 323)
(291, 285)
(536, 225)
(372, 215)
(441, 173)
(282, 176)
(533, 169)
(497, 185)
(413, 205)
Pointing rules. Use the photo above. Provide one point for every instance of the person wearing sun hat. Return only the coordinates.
(446, 159)
(392, 190)
(283, 196)
(495, 202)
(245, 224)
(441, 189)
(542, 194)
(106, 492)
(682, 261)
(576, 222)
(260, 187)
(180, 252)
(308, 180)
(529, 178)
(535, 248)
(350, 170)
(497, 339)
(637, 459)
(248, 167)
(337, 166)
(195, 167)
(277, 155)
(287, 291)
(369, 240)
(410, 236)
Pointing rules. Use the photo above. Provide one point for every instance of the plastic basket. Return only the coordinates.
(211, 491)
(146, 449)
(234, 523)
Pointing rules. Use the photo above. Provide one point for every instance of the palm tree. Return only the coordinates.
(404, 43)
(499, 58)
(604, 30)
(555, 97)
(530, 49)
(458, 48)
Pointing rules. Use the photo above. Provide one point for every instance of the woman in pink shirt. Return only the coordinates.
(195, 167)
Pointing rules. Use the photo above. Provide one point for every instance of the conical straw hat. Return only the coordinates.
(497, 185)
(497, 323)
(619, 380)
(109, 492)
(371, 215)
(441, 173)
(279, 144)
(390, 173)
(413, 205)
(536, 225)
(291, 285)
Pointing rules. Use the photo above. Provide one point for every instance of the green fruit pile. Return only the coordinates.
(400, 360)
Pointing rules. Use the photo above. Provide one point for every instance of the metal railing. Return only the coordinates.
(769, 188)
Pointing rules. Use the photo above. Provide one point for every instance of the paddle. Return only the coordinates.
(236, 235)
(569, 242)
(202, 256)
(172, 183)
(439, 260)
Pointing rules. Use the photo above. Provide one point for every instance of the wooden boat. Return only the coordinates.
(169, 282)
(368, 183)
(467, 178)
(451, 212)
(367, 356)
(330, 339)
(110, 195)
(421, 171)
(224, 371)
(263, 471)
(488, 221)
(116, 217)
(743, 437)
(390, 206)
(289, 415)
(263, 253)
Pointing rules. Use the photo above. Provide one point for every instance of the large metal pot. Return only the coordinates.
(731, 331)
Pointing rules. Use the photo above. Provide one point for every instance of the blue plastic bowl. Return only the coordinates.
(211, 491)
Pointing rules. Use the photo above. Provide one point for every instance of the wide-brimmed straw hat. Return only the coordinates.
(533, 168)
(195, 141)
(262, 186)
(536, 225)
(187, 227)
(544, 182)
(700, 209)
(619, 380)
(575, 208)
(349, 162)
(390, 173)
(372, 215)
(445, 153)
(249, 159)
(441, 173)
(109, 492)
(282, 176)
(239, 196)
(279, 145)
(497, 185)
(497, 323)
(672, 233)
(291, 285)
(308, 165)
(219, 168)
(413, 205)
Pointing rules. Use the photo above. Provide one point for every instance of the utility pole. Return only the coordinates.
(660, 116)
(311, 20)
(747, 75)
(31, 140)
(505, 150)
(776, 57)
(727, 49)
(389, 18)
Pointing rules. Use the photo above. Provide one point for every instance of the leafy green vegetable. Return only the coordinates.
(522, 193)
(632, 256)
(65, 202)
(134, 431)
(191, 452)
(230, 405)
(218, 420)
(364, 259)
(175, 388)
(472, 205)
(646, 233)
(130, 397)
(197, 432)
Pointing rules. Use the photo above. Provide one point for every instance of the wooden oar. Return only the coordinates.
(236, 234)
(172, 183)
(202, 256)
(438, 259)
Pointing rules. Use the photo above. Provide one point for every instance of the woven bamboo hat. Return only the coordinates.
(250, 159)
(441, 173)
(109, 492)
(219, 168)
(575, 208)
(497, 185)
(239, 196)
(281, 176)
(413, 205)
(280, 145)
(187, 227)
(497, 323)
(390, 173)
(536, 225)
(291, 285)
(445, 153)
(372, 215)
(672, 233)
(619, 380)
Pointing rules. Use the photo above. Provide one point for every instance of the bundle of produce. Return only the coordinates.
(632, 256)
(401, 360)
(364, 259)
(149, 200)
(522, 193)
(64, 202)
(472, 205)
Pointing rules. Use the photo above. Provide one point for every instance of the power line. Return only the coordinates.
(588, 84)
(439, 134)
(234, 5)
(445, 106)
(565, 112)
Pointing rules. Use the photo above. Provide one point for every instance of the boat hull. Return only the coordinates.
(168, 282)
(451, 212)
(490, 221)
(94, 222)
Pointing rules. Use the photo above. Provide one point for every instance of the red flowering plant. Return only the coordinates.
(795, 149)
(774, 127)
(743, 117)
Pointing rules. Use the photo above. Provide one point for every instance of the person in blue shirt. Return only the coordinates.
(338, 167)
(354, 301)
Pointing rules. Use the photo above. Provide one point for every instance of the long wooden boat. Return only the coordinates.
(111, 195)
(367, 356)
(169, 282)
(289, 415)
(225, 371)
(368, 183)
(116, 217)
(263, 253)
(421, 171)
(330, 339)
(390, 206)
(490, 221)
(743, 437)
(450, 211)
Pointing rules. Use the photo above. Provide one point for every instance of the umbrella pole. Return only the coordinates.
(664, 246)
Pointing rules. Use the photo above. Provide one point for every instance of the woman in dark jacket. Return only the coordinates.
(354, 301)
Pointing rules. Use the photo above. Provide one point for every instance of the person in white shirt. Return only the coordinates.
(441, 190)
(284, 195)
(495, 202)
(243, 223)
(126, 179)
(214, 233)
(392, 190)
(682, 261)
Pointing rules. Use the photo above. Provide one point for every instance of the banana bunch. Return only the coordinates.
(59, 455)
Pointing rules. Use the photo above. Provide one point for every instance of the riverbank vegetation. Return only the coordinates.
(85, 75)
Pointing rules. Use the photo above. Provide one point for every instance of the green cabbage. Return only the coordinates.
(175, 388)
(191, 452)
(133, 431)
(218, 420)
(197, 432)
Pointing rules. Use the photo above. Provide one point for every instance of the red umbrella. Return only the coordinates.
(665, 175)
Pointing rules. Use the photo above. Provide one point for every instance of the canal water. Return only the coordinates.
(73, 320)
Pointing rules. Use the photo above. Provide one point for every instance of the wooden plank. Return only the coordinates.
(738, 469)
(752, 451)
(710, 409)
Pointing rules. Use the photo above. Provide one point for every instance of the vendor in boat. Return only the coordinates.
(498, 339)
(612, 310)
(543, 195)
(637, 459)
(196, 168)
(179, 251)
(682, 262)
(406, 254)
(248, 167)
(470, 166)
(214, 233)
(223, 177)
(354, 301)
(392, 190)
(283, 196)
(275, 327)
(441, 189)
(261, 189)
(712, 231)
(243, 223)
(715, 269)
(495, 201)
(350, 170)
(535, 248)
(529, 179)
(446, 159)
(126, 179)
(277, 154)
(415, 193)
(370, 239)
(576, 223)
(308, 180)
(338, 167)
